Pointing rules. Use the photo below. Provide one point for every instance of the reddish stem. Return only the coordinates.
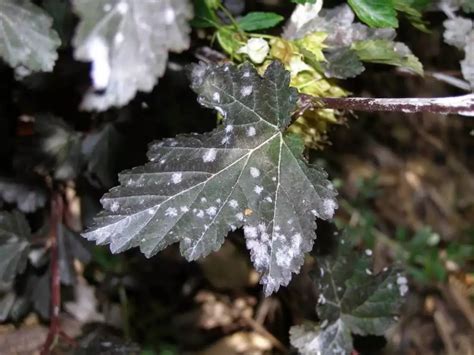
(57, 208)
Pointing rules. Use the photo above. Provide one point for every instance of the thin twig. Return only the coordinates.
(55, 332)
(444, 105)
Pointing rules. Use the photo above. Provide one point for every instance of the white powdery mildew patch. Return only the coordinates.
(240, 216)
(251, 131)
(258, 189)
(251, 232)
(152, 211)
(216, 97)
(284, 256)
(257, 241)
(229, 128)
(268, 199)
(114, 206)
(402, 283)
(211, 211)
(254, 172)
(184, 209)
(171, 212)
(176, 178)
(225, 140)
(209, 156)
(200, 213)
(329, 206)
(368, 252)
(246, 90)
(233, 204)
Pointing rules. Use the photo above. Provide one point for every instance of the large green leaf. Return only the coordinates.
(375, 13)
(351, 301)
(246, 173)
(27, 42)
(127, 42)
(14, 244)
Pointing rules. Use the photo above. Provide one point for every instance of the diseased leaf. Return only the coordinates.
(14, 244)
(467, 64)
(99, 150)
(375, 13)
(344, 37)
(127, 42)
(459, 32)
(339, 25)
(27, 195)
(259, 20)
(387, 52)
(351, 301)
(246, 173)
(27, 42)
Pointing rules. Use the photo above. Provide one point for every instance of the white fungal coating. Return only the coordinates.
(209, 156)
(251, 131)
(211, 211)
(246, 90)
(114, 206)
(171, 212)
(329, 206)
(254, 172)
(258, 189)
(233, 204)
(176, 178)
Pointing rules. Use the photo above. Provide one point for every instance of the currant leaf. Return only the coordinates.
(352, 300)
(246, 173)
(27, 42)
(127, 42)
